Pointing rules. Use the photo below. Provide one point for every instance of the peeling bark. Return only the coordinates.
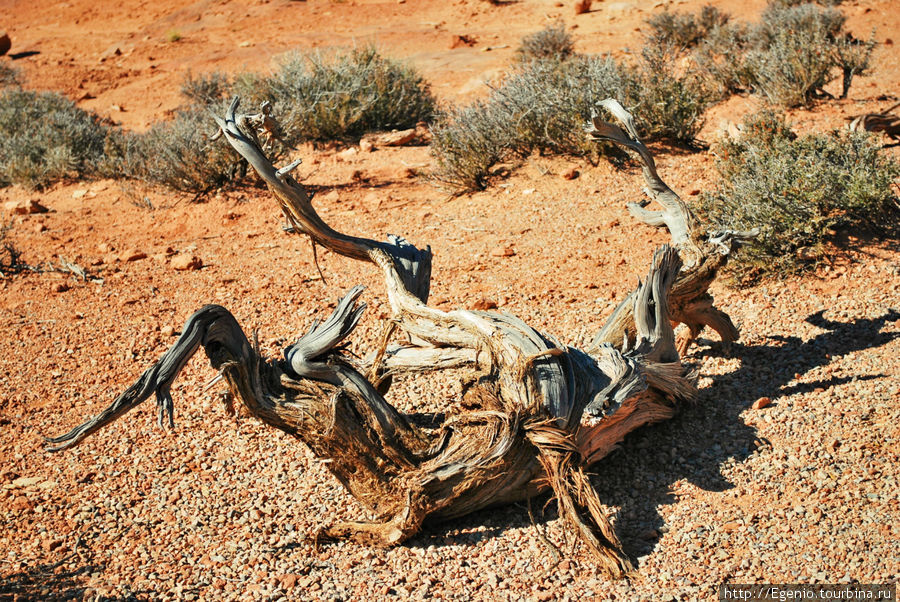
(539, 414)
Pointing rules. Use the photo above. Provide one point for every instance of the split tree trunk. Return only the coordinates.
(541, 412)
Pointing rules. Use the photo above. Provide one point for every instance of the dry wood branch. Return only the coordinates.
(539, 413)
(704, 252)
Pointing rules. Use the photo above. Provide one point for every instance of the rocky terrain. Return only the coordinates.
(785, 471)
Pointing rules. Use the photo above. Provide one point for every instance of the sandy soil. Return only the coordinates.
(804, 490)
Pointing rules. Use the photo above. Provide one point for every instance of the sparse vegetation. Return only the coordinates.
(551, 43)
(684, 30)
(173, 35)
(320, 98)
(798, 190)
(45, 137)
(542, 108)
(789, 57)
(206, 89)
(177, 154)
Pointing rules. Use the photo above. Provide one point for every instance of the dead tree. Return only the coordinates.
(539, 413)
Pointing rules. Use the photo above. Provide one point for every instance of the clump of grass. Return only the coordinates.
(684, 30)
(551, 43)
(322, 98)
(798, 191)
(789, 57)
(543, 106)
(9, 75)
(45, 137)
(173, 35)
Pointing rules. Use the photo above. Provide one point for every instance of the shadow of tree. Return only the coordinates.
(695, 444)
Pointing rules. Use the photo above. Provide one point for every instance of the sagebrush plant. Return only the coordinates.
(798, 190)
(543, 106)
(320, 98)
(178, 154)
(45, 137)
(788, 57)
(685, 30)
(551, 43)
(668, 105)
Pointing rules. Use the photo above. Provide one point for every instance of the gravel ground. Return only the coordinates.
(801, 490)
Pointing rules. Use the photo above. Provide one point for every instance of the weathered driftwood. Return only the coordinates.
(540, 411)
(885, 122)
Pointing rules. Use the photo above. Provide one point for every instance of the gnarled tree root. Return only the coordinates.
(539, 413)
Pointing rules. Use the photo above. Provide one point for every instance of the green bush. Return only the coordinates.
(321, 98)
(45, 137)
(543, 106)
(684, 30)
(551, 43)
(797, 190)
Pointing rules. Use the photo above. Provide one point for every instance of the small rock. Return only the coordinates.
(571, 174)
(346, 154)
(5, 43)
(396, 138)
(110, 52)
(289, 581)
(366, 145)
(28, 207)
(26, 481)
(79, 193)
(503, 252)
(40, 227)
(528, 191)
(761, 403)
(583, 6)
(105, 248)
(60, 287)
(133, 255)
(484, 303)
(167, 330)
(186, 262)
(731, 526)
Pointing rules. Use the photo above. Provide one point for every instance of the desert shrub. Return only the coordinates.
(668, 105)
(205, 89)
(178, 154)
(794, 54)
(320, 98)
(685, 30)
(788, 57)
(551, 43)
(9, 75)
(721, 59)
(797, 190)
(543, 106)
(45, 137)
